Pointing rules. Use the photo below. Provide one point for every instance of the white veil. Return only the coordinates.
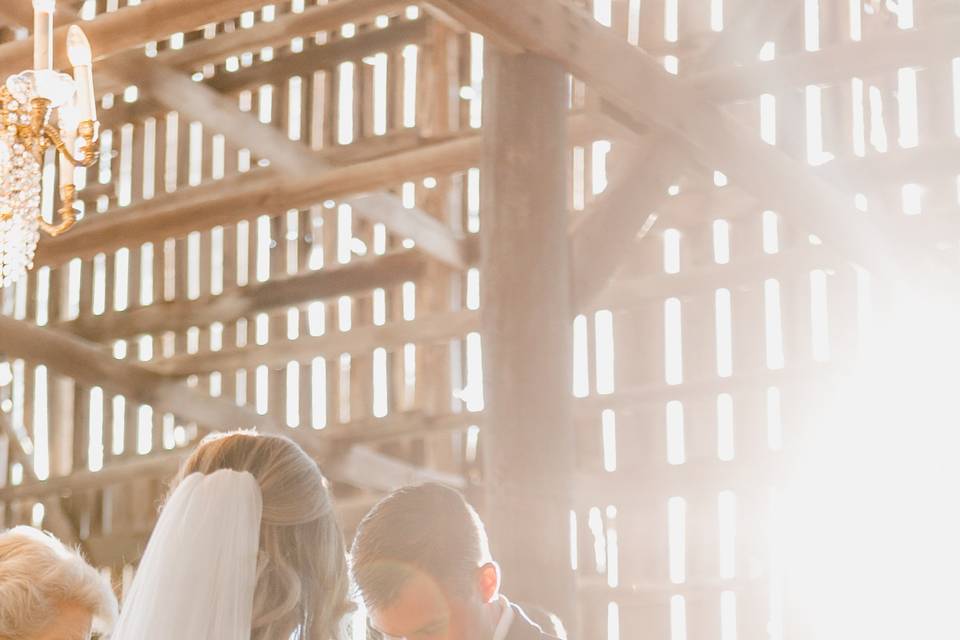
(197, 577)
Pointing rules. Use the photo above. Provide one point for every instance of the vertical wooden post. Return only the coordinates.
(526, 322)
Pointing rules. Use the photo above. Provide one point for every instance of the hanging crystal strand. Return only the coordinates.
(20, 186)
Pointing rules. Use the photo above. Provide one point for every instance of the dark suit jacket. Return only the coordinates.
(523, 629)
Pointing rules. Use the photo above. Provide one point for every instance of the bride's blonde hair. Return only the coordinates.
(302, 579)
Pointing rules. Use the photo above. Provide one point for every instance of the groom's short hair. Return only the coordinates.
(427, 528)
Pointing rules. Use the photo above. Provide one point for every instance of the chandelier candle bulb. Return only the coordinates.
(43, 33)
(78, 50)
(28, 101)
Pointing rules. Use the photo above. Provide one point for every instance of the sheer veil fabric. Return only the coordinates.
(197, 577)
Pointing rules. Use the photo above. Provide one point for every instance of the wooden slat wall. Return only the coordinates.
(687, 401)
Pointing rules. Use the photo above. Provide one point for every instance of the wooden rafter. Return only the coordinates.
(428, 329)
(81, 360)
(56, 517)
(233, 199)
(934, 42)
(559, 30)
(199, 103)
(177, 315)
(327, 445)
(279, 32)
(629, 208)
(132, 26)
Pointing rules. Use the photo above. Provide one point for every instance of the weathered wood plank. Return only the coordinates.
(180, 314)
(529, 445)
(565, 33)
(87, 362)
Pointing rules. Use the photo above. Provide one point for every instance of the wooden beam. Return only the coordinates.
(220, 113)
(87, 362)
(217, 113)
(111, 33)
(16, 14)
(603, 239)
(559, 30)
(262, 191)
(177, 315)
(626, 292)
(321, 57)
(324, 444)
(935, 42)
(739, 41)
(427, 329)
(529, 442)
(55, 518)
(278, 33)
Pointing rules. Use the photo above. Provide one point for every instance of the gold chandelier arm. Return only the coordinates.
(89, 151)
(68, 215)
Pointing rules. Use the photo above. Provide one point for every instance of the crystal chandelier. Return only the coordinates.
(28, 100)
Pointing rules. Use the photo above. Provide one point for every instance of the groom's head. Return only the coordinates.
(423, 566)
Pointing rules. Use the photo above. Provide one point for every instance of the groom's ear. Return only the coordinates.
(489, 575)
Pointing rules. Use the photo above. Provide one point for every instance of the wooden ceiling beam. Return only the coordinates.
(602, 240)
(328, 446)
(935, 42)
(286, 63)
(740, 40)
(318, 58)
(56, 519)
(424, 330)
(111, 33)
(90, 363)
(216, 112)
(265, 191)
(178, 315)
(559, 30)
(279, 32)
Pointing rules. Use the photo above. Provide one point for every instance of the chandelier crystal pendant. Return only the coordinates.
(28, 101)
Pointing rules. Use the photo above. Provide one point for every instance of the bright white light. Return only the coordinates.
(859, 119)
(907, 107)
(716, 15)
(676, 525)
(671, 251)
(886, 534)
(345, 124)
(581, 368)
(771, 232)
(856, 16)
(725, 437)
(721, 241)
(724, 332)
(670, 20)
(609, 425)
(912, 198)
(774, 325)
(673, 341)
(613, 621)
(768, 118)
(678, 618)
(878, 130)
(811, 24)
(675, 446)
(603, 12)
(814, 112)
(671, 64)
(603, 330)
